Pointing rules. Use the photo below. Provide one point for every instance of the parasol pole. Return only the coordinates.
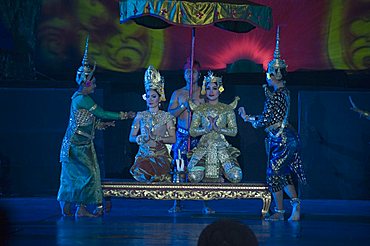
(191, 78)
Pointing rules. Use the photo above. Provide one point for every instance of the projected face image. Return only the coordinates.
(352, 37)
(336, 36)
(359, 47)
(116, 47)
(121, 48)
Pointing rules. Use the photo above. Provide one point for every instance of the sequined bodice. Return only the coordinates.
(155, 122)
(82, 117)
(276, 108)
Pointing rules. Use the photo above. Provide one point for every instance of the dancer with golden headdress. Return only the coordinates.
(282, 142)
(214, 158)
(152, 130)
(80, 182)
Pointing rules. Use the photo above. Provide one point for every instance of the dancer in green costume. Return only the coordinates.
(80, 182)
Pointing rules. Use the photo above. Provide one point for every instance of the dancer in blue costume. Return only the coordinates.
(282, 142)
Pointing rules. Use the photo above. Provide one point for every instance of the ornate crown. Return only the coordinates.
(277, 62)
(210, 78)
(154, 81)
(85, 72)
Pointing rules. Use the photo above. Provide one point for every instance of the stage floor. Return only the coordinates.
(37, 221)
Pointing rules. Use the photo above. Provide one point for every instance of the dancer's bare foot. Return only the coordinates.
(99, 211)
(66, 209)
(83, 212)
(277, 216)
(296, 211)
(108, 206)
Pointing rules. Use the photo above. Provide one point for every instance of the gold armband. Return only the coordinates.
(93, 107)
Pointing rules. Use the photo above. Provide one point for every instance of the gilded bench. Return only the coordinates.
(189, 191)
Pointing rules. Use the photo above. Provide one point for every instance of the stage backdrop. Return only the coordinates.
(336, 144)
(315, 35)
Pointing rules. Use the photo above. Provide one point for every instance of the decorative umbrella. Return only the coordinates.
(232, 15)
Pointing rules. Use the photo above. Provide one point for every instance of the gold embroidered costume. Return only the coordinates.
(153, 162)
(214, 157)
(80, 176)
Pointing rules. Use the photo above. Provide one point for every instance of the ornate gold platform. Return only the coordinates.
(189, 191)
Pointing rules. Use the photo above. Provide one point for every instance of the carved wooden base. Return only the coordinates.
(189, 191)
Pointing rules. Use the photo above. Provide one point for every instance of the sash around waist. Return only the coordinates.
(79, 132)
(276, 126)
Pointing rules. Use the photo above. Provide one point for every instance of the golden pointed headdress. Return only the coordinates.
(210, 78)
(85, 72)
(277, 63)
(154, 81)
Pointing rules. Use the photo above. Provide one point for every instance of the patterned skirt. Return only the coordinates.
(152, 164)
(284, 160)
(80, 177)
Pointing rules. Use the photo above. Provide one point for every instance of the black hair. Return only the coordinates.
(160, 106)
(284, 74)
(227, 232)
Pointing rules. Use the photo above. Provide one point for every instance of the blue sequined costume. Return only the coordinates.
(282, 142)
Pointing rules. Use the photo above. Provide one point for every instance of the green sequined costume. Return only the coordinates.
(80, 177)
